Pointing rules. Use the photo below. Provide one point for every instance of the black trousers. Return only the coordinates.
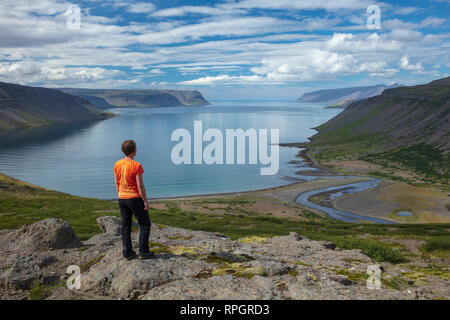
(135, 206)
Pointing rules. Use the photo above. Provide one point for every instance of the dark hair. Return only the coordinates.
(128, 147)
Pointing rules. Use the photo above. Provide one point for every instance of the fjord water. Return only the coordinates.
(78, 158)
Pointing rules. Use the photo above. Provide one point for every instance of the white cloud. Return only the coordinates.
(363, 42)
(228, 46)
(204, 10)
(299, 5)
(340, 55)
(405, 35)
(399, 24)
(432, 22)
(406, 10)
(406, 65)
(241, 7)
(222, 27)
(223, 79)
(141, 7)
(306, 65)
(33, 72)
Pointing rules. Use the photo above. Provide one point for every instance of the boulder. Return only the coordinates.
(118, 277)
(271, 267)
(111, 225)
(44, 235)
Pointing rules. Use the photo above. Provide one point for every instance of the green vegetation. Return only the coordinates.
(400, 130)
(437, 244)
(23, 203)
(40, 290)
(395, 282)
(376, 250)
(239, 270)
(348, 141)
(427, 161)
(255, 227)
(422, 275)
(348, 145)
(319, 199)
(85, 267)
(353, 275)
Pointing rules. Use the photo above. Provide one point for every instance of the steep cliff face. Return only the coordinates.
(140, 98)
(98, 102)
(404, 116)
(22, 106)
(404, 130)
(344, 96)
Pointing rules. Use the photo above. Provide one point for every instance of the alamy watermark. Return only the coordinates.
(73, 14)
(374, 17)
(213, 153)
(74, 281)
(374, 280)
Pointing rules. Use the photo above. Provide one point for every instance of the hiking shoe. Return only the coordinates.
(131, 256)
(147, 255)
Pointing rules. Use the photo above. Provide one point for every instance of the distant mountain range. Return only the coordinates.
(111, 98)
(340, 98)
(24, 106)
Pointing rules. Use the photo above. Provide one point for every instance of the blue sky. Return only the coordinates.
(242, 49)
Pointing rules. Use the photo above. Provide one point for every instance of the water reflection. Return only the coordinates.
(78, 157)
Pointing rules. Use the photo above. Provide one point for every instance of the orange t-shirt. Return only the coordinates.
(126, 172)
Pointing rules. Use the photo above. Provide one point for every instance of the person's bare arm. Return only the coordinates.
(141, 187)
(116, 181)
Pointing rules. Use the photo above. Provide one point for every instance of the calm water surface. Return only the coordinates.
(78, 158)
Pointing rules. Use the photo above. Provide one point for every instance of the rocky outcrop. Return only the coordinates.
(40, 236)
(24, 106)
(110, 225)
(201, 265)
(26, 250)
(23, 272)
(191, 265)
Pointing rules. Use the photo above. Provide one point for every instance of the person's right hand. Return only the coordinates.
(145, 205)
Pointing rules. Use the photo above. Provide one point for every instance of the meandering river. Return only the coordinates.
(338, 191)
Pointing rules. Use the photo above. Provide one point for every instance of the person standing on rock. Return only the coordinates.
(132, 200)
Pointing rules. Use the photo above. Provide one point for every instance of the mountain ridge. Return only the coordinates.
(342, 97)
(112, 98)
(404, 128)
(26, 106)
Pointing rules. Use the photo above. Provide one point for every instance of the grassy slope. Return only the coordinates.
(23, 203)
(25, 106)
(397, 141)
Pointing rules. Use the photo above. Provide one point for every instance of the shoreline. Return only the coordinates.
(223, 193)
(301, 154)
(293, 182)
